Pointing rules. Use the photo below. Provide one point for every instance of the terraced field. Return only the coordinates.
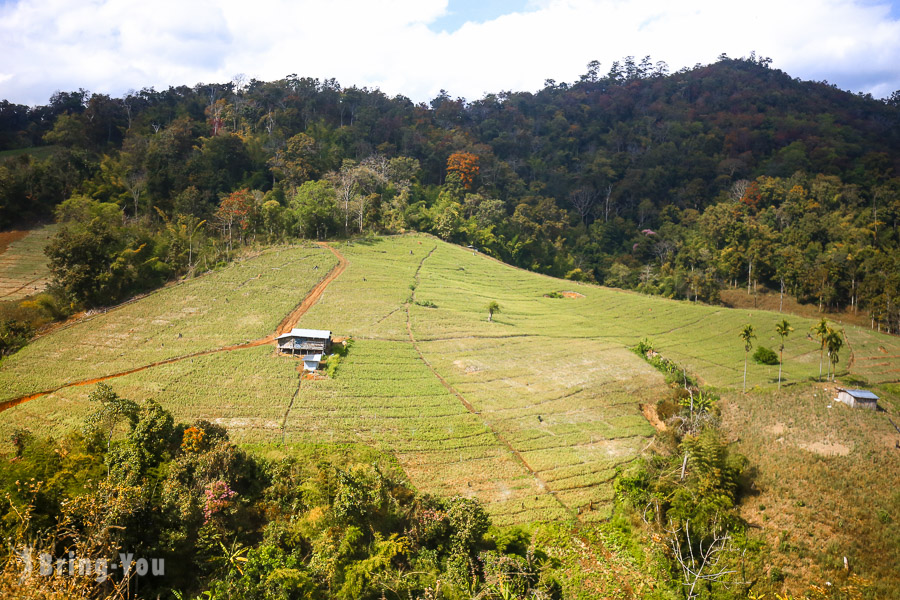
(533, 412)
(243, 302)
(23, 266)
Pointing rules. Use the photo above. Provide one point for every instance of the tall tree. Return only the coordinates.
(464, 164)
(835, 341)
(237, 208)
(747, 336)
(821, 330)
(783, 329)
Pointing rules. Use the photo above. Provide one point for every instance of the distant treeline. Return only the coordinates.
(674, 184)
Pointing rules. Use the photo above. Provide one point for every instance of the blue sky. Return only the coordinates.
(460, 12)
(418, 47)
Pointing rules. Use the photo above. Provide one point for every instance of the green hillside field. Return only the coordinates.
(533, 413)
(23, 265)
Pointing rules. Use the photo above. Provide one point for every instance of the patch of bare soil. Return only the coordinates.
(827, 448)
(652, 416)
(777, 428)
(467, 367)
(8, 237)
(572, 295)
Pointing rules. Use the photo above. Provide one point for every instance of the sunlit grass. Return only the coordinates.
(536, 412)
(23, 265)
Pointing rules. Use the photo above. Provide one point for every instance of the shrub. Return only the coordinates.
(338, 354)
(764, 356)
(14, 335)
(643, 347)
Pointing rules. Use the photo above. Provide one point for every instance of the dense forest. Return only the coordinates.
(680, 184)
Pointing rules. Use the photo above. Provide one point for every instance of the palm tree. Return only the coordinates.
(492, 308)
(835, 341)
(821, 330)
(782, 329)
(747, 335)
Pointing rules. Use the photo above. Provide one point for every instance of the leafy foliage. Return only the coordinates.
(765, 356)
(232, 525)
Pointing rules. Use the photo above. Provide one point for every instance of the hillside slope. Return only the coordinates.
(23, 265)
(532, 413)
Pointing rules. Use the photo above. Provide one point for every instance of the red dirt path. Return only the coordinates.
(285, 326)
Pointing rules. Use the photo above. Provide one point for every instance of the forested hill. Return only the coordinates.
(674, 183)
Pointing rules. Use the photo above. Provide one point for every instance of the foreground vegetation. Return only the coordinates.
(213, 517)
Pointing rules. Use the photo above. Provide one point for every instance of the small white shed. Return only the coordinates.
(311, 362)
(857, 398)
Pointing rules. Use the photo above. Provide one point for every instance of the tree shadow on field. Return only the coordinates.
(747, 483)
(365, 241)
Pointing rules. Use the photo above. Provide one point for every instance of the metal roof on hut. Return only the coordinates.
(317, 334)
(305, 341)
(863, 398)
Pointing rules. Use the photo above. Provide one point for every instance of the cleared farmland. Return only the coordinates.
(533, 412)
(244, 301)
(23, 265)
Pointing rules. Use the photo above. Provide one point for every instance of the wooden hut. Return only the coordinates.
(857, 398)
(305, 342)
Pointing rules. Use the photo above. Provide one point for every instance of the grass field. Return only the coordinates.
(244, 301)
(533, 413)
(826, 479)
(23, 265)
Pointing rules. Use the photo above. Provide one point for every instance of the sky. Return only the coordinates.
(418, 47)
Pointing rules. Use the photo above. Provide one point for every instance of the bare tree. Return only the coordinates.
(700, 561)
(663, 250)
(738, 189)
(239, 83)
(214, 109)
(135, 182)
(269, 122)
(583, 200)
(355, 183)
(606, 211)
(346, 183)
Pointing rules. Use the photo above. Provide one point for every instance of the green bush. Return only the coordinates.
(643, 347)
(338, 353)
(764, 356)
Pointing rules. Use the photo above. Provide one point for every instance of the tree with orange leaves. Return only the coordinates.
(464, 164)
(237, 208)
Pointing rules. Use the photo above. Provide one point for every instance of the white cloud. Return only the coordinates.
(114, 45)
